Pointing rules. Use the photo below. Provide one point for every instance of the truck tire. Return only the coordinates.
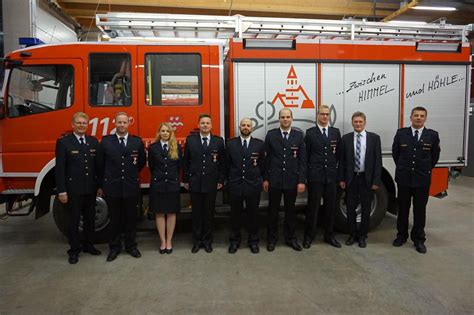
(377, 212)
(102, 221)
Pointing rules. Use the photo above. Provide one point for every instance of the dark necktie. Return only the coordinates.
(324, 133)
(165, 148)
(245, 144)
(204, 142)
(83, 144)
(122, 142)
(285, 135)
(415, 137)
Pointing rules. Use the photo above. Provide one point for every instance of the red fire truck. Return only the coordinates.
(174, 67)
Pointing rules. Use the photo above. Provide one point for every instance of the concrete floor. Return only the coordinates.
(36, 278)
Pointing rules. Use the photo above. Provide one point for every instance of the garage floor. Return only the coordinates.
(36, 278)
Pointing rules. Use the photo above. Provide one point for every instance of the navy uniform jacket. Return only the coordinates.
(75, 166)
(323, 154)
(415, 160)
(120, 168)
(203, 169)
(245, 168)
(285, 159)
(165, 172)
(372, 163)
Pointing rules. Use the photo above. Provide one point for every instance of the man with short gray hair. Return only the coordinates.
(76, 182)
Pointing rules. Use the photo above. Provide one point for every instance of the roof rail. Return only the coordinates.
(203, 27)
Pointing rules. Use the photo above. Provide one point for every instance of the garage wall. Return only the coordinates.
(33, 18)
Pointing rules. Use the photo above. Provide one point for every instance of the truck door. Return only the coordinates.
(112, 87)
(173, 86)
(42, 96)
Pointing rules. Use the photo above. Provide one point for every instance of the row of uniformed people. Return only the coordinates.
(282, 166)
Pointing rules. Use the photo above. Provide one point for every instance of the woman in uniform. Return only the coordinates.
(164, 161)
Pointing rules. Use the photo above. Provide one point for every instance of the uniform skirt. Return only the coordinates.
(163, 203)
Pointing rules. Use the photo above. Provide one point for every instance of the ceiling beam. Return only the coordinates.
(400, 11)
(308, 7)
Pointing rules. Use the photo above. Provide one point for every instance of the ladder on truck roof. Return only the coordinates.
(133, 26)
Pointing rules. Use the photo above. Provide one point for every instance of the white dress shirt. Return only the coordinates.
(419, 132)
(125, 138)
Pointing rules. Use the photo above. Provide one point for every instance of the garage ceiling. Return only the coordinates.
(84, 11)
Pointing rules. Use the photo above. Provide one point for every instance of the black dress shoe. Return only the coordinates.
(134, 253)
(362, 243)
(112, 255)
(73, 258)
(169, 250)
(420, 248)
(254, 248)
(91, 250)
(208, 248)
(233, 248)
(195, 248)
(162, 251)
(351, 240)
(333, 242)
(398, 242)
(306, 244)
(271, 247)
(294, 244)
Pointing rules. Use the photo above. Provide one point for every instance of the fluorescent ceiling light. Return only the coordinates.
(424, 7)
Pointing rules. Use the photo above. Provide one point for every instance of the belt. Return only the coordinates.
(359, 173)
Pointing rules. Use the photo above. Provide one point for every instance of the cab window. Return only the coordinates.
(40, 89)
(109, 80)
(173, 79)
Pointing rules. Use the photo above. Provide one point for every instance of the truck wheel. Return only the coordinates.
(377, 211)
(102, 221)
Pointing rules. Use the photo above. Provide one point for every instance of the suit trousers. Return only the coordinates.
(274, 198)
(316, 191)
(202, 214)
(251, 208)
(123, 219)
(420, 199)
(76, 206)
(357, 192)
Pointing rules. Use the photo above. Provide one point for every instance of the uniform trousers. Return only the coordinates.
(236, 209)
(202, 214)
(274, 199)
(123, 219)
(76, 206)
(419, 195)
(316, 191)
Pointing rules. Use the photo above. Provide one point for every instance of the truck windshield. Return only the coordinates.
(39, 89)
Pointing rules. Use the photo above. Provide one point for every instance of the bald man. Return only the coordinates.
(245, 166)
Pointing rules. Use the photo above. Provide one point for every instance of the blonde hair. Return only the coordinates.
(79, 115)
(172, 143)
(323, 107)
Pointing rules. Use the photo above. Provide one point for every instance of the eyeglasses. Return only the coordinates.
(323, 114)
